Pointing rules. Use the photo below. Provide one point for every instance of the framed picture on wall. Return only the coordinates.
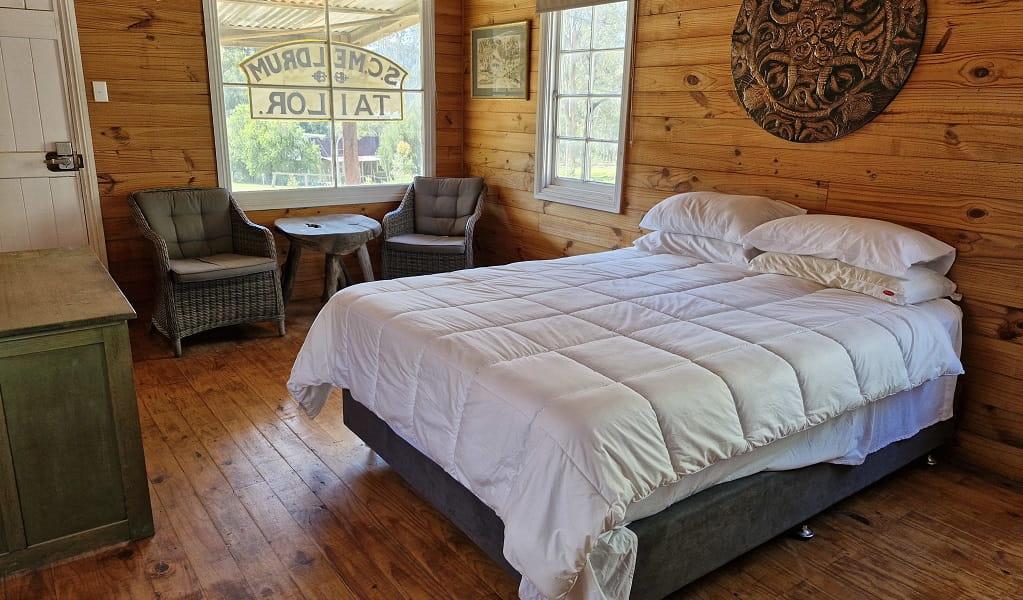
(500, 61)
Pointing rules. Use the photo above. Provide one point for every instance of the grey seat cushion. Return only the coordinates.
(218, 266)
(443, 204)
(194, 222)
(431, 244)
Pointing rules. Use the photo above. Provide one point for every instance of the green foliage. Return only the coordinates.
(401, 145)
(261, 147)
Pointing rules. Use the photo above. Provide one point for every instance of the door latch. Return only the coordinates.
(64, 158)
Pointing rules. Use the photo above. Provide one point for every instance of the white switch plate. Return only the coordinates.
(99, 91)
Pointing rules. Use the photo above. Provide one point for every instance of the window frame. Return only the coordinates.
(547, 185)
(319, 196)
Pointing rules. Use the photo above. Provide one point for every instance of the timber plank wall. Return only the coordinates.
(946, 157)
(157, 129)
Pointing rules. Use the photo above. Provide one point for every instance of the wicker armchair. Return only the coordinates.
(214, 266)
(431, 231)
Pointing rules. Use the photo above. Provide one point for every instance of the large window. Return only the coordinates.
(321, 101)
(584, 91)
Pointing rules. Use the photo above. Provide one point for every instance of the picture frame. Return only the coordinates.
(500, 60)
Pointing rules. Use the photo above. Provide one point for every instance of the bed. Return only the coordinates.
(616, 425)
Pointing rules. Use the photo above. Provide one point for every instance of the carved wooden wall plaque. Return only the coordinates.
(815, 70)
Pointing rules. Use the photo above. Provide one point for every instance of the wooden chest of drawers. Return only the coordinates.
(72, 472)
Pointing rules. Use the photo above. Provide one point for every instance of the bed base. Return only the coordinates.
(687, 540)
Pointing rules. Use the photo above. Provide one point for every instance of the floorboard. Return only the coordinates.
(252, 499)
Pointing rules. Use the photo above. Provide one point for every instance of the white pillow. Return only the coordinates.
(921, 284)
(696, 246)
(867, 243)
(711, 214)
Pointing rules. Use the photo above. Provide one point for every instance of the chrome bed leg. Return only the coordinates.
(931, 461)
(804, 532)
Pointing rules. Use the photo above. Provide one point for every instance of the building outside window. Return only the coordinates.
(584, 91)
(321, 102)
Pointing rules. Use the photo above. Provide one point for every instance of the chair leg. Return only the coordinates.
(177, 347)
(280, 327)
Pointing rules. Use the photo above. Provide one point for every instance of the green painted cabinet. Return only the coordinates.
(72, 472)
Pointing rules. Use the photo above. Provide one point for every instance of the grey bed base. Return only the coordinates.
(687, 540)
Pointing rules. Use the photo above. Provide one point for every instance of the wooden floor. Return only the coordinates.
(254, 500)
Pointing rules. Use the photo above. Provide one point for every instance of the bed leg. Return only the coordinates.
(932, 461)
(804, 532)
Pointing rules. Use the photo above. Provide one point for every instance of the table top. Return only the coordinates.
(42, 290)
(332, 234)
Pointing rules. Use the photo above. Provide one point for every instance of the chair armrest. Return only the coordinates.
(160, 253)
(470, 226)
(249, 238)
(401, 220)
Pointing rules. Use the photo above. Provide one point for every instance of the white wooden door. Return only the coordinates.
(39, 208)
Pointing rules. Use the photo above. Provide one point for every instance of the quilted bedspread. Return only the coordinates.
(561, 391)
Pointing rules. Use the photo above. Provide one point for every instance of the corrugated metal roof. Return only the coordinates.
(264, 22)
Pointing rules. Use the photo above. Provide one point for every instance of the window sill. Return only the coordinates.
(306, 198)
(596, 197)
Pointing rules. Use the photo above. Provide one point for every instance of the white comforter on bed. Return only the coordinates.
(560, 392)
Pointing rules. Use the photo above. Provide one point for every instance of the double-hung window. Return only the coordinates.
(585, 61)
(321, 101)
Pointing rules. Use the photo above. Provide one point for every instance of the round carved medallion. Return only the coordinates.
(815, 70)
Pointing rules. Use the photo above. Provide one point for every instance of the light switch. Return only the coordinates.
(99, 91)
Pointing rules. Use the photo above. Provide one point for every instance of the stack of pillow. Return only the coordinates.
(877, 258)
(709, 226)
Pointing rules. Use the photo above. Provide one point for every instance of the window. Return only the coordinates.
(583, 103)
(321, 101)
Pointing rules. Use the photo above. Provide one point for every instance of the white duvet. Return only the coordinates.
(561, 392)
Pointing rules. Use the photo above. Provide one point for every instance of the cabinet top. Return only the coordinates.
(42, 290)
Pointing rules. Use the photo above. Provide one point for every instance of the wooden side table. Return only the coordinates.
(335, 236)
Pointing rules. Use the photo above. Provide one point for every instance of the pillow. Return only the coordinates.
(920, 285)
(714, 215)
(866, 243)
(696, 246)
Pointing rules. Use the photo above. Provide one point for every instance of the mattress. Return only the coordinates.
(567, 393)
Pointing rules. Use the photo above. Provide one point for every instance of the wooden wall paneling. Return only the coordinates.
(996, 407)
(998, 457)
(944, 157)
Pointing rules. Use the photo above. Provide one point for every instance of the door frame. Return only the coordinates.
(81, 131)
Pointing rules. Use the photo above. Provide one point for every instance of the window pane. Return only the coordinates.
(609, 25)
(607, 71)
(276, 153)
(569, 159)
(572, 117)
(575, 28)
(574, 74)
(388, 151)
(605, 116)
(302, 80)
(603, 161)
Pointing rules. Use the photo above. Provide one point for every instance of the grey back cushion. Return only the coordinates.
(194, 221)
(443, 205)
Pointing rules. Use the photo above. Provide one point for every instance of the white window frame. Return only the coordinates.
(325, 196)
(547, 185)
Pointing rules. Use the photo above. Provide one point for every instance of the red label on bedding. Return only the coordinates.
(888, 293)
